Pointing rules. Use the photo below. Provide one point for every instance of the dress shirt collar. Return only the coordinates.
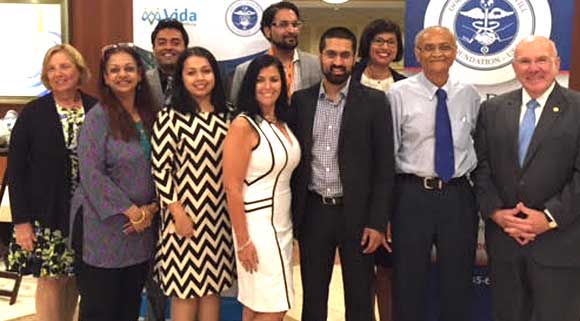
(542, 99)
(295, 57)
(343, 92)
(431, 88)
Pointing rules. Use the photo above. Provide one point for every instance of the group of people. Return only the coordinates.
(165, 183)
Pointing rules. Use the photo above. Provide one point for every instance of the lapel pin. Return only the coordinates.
(556, 109)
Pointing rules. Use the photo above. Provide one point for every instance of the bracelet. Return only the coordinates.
(141, 219)
(244, 246)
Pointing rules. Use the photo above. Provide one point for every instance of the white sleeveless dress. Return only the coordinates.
(267, 199)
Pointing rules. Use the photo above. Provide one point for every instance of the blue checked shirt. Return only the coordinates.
(325, 131)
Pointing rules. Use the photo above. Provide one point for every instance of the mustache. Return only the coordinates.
(342, 68)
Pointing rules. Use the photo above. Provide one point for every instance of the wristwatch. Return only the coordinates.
(551, 223)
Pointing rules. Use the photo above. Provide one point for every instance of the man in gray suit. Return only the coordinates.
(528, 188)
(169, 40)
(281, 25)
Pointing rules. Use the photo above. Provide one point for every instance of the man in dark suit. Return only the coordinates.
(528, 188)
(342, 187)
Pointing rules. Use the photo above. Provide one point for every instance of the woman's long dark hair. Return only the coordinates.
(182, 100)
(121, 124)
(247, 102)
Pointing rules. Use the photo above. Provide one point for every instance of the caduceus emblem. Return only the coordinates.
(244, 15)
(486, 27)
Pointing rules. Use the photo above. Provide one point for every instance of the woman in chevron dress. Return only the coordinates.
(194, 259)
(260, 154)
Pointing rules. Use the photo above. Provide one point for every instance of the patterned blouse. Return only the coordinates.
(71, 121)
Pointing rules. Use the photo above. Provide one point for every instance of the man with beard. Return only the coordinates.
(169, 40)
(434, 117)
(281, 25)
(341, 191)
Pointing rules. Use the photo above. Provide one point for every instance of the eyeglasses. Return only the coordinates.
(380, 42)
(431, 48)
(285, 24)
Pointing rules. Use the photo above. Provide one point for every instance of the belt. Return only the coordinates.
(433, 183)
(328, 201)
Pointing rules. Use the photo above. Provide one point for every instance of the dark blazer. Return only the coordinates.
(39, 166)
(550, 177)
(365, 157)
(360, 66)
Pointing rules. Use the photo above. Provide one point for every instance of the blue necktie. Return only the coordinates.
(527, 129)
(444, 158)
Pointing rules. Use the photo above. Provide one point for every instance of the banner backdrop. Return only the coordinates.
(488, 30)
(229, 29)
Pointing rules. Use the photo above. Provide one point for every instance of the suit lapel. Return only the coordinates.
(309, 112)
(347, 113)
(511, 116)
(552, 110)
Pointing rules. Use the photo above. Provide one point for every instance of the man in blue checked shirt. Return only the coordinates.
(341, 191)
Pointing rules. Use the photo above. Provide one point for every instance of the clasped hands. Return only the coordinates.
(522, 229)
(140, 218)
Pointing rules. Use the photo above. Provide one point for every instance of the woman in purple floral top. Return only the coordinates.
(116, 195)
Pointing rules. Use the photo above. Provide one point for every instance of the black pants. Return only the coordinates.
(156, 299)
(322, 232)
(522, 287)
(422, 218)
(111, 294)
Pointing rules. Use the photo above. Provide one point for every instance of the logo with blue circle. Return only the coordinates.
(487, 26)
(243, 18)
(487, 32)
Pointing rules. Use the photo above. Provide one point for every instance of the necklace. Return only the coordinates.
(271, 119)
(377, 76)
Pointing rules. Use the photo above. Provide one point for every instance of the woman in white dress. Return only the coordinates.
(260, 153)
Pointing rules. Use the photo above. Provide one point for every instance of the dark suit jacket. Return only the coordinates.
(39, 166)
(365, 157)
(549, 179)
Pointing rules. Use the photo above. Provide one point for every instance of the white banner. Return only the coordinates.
(229, 29)
(38, 28)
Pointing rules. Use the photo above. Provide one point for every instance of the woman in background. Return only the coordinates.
(42, 175)
(116, 196)
(381, 44)
(194, 259)
(260, 154)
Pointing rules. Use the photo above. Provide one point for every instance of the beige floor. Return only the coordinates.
(23, 309)
(335, 300)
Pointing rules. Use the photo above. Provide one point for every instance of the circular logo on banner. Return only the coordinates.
(487, 33)
(243, 17)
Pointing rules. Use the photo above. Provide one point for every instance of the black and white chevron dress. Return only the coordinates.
(187, 167)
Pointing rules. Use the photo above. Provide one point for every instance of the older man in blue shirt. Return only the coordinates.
(434, 118)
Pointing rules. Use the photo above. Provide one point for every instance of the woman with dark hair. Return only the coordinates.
(115, 201)
(195, 259)
(42, 175)
(260, 154)
(381, 44)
